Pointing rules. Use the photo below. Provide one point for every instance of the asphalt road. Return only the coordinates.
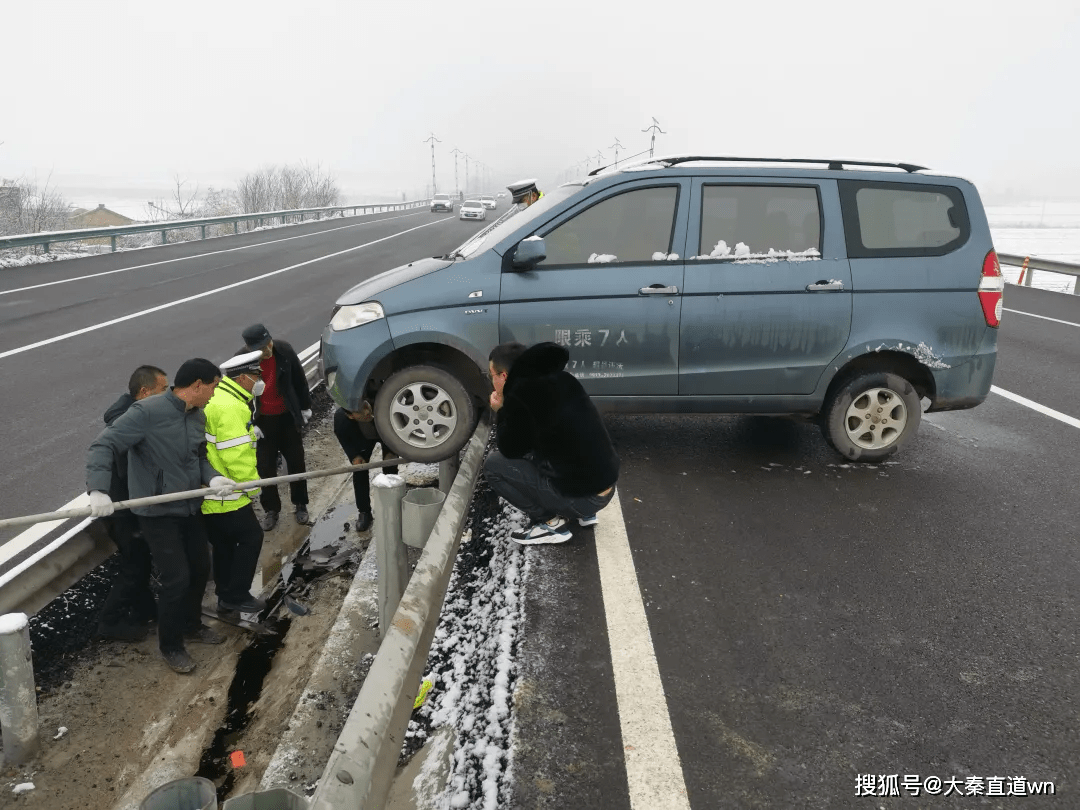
(813, 621)
(54, 394)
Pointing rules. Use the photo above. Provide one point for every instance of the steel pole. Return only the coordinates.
(393, 562)
(18, 698)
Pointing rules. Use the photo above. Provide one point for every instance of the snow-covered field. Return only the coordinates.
(1048, 231)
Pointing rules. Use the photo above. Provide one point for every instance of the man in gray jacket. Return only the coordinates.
(164, 438)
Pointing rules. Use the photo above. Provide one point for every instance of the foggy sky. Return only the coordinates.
(129, 94)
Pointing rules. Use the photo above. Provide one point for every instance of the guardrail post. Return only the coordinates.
(236, 226)
(164, 238)
(390, 552)
(448, 470)
(113, 240)
(18, 698)
(46, 248)
(203, 229)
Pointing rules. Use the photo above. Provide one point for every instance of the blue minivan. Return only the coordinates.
(847, 291)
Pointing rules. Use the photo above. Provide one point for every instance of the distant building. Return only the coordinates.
(99, 217)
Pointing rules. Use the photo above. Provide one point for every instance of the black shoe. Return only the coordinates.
(553, 531)
(122, 632)
(302, 515)
(252, 604)
(178, 661)
(269, 521)
(364, 521)
(204, 635)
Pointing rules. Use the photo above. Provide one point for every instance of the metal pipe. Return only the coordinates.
(84, 511)
(390, 554)
(18, 699)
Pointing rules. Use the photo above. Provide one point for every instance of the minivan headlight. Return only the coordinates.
(352, 316)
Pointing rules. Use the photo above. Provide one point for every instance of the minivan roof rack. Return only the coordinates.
(833, 163)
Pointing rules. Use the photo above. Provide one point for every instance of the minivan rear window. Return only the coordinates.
(902, 219)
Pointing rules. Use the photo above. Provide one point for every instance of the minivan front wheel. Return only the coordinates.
(423, 413)
(872, 415)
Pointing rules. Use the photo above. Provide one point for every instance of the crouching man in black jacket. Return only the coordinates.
(554, 460)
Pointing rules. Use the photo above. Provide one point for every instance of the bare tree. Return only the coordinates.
(27, 208)
(185, 204)
(284, 188)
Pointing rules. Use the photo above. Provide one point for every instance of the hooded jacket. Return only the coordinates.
(230, 444)
(546, 412)
(165, 446)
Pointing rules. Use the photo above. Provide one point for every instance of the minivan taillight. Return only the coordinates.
(991, 289)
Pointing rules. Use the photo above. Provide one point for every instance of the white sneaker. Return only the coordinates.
(554, 531)
(591, 520)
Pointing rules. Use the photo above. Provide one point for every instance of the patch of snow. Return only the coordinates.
(12, 623)
(60, 732)
(23, 787)
(385, 481)
(602, 258)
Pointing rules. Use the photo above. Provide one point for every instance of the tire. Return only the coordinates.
(871, 416)
(448, 411)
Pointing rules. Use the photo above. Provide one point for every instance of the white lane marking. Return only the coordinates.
(199, 255)
(1042, 317)
(653, 768)
(27, 538)
(215, 291)
(1035, 406)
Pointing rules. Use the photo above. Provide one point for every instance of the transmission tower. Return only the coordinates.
(433, 140)
(655, 127)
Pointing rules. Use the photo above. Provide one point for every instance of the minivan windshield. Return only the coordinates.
(513, 219)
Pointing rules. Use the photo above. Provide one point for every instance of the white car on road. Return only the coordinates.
(488, 201)
(472, 209)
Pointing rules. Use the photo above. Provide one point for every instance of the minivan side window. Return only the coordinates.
(761, 218)
(634, 226)
(902, 219)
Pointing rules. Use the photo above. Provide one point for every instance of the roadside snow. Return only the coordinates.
(472, 666)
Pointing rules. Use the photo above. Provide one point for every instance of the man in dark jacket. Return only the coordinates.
(164, 438)
(284, 408)
(554, 459)
(130, 604)
(357, 436)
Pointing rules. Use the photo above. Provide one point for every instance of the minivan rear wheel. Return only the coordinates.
(871, 416)
(424, 413)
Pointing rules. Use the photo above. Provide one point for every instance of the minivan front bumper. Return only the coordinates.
(349, 357)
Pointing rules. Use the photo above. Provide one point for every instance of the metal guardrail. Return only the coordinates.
(1027, 262)
(115, 231)
(361, 768)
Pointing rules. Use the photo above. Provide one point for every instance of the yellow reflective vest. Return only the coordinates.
(230, 444)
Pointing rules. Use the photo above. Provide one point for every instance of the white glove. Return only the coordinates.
(306, 415)
(221, 486)
(101, 504)
(258, 432)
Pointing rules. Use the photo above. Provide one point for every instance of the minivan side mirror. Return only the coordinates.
(529, 253)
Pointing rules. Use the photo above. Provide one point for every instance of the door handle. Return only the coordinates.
(832, 285)
(656, 289)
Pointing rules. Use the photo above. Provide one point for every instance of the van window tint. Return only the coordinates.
(761, 217)
(902, 219)
(635, 226)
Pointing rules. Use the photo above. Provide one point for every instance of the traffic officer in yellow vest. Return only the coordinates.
(231, 525)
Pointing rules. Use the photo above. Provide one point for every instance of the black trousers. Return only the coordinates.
(280, 434)
(527, 487)
(130, 600)
(236, 538)
(182, 556)
(355, 443)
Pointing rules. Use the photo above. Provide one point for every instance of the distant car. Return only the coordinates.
(488, 201)
(441, 202)
(472, 209)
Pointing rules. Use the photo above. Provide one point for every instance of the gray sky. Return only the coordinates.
(127, 94)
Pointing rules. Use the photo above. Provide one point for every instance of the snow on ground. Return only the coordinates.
(472, 666)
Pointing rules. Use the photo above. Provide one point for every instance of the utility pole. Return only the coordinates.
(455, 153)
(616, 146)
(433, 140)
(655, 127)
(466, 175)
(599, 158)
